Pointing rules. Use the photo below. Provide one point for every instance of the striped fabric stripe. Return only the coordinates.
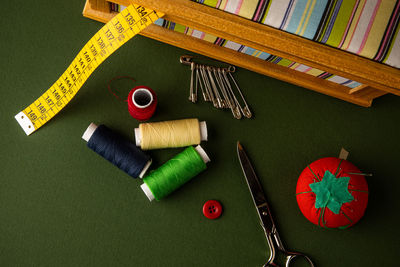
(368, 28)
(260, 54)
(390, 34)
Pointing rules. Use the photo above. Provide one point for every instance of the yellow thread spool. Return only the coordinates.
(176, 133)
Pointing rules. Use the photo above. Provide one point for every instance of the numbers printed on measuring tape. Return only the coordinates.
(109, 38)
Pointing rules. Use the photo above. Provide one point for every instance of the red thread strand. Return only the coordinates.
(114, 79)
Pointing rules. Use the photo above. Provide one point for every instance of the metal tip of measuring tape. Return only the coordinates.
(25, 123)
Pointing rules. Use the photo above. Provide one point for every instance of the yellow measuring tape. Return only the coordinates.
(109, 38)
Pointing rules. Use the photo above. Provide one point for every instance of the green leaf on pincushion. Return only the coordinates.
(331, 192)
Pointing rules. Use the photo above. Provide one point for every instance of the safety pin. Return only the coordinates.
(207, 85)
(221, 84)
(237, 108)
(224, 94)
(224, 99)
(204, 92)
(187, 60)
(230, 98)
(192, 95)
(230, 103)
(216, 87)
(245, 110)
(220, 102)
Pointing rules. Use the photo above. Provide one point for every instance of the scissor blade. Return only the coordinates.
(256, 190)
(251, 178)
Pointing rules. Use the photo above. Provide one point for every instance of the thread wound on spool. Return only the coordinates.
(174, 173)
(118, 150)
(142, 103)
(175, 133)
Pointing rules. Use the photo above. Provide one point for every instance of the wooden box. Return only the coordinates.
(376, 78)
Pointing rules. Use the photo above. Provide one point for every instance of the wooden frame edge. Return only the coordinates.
(277, 42)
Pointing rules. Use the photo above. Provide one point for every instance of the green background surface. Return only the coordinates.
(63, 205)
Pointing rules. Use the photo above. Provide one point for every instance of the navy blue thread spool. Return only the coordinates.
(117, 149)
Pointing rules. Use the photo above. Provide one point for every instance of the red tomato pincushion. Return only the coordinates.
(332, 193)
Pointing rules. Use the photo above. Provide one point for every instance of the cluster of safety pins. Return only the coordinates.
(216, 86)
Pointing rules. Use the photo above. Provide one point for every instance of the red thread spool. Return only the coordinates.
(142, 102)
(334, 170)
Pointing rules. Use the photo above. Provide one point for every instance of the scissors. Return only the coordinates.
(257, 193)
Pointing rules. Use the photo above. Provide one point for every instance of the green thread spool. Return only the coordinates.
(175, 172)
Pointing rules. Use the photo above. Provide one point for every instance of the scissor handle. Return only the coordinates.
(274, 236)
(291, 255)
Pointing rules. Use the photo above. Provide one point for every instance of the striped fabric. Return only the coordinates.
(256, 53)
(369, 28)
(253, 52)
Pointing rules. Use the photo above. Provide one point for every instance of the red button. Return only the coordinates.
(212, 209)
